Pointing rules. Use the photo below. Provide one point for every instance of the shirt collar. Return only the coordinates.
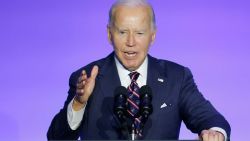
(123, 71)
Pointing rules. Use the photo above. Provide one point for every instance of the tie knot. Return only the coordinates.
(134, 76)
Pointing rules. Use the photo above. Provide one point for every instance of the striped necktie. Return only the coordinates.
(134, 101)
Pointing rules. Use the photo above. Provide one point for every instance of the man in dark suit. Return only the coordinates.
(88, 110)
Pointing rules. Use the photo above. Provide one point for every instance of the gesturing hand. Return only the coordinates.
(84, 88)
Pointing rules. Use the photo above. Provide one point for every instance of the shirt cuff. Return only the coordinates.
(74, 117)
(218, 129)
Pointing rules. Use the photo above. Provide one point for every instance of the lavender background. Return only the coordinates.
(43, 41)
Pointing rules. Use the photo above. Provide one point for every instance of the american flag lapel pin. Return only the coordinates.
(160, 80)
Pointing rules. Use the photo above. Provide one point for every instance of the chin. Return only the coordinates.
(131, 67)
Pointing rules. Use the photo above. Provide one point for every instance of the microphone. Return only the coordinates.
(120, 104)
(120, 110)
(146, 107)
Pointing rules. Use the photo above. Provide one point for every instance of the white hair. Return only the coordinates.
(131, 3)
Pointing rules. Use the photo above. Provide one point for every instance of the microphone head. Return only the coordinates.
(120, 90)
(145, 91)
(146, 107)
(120, 102)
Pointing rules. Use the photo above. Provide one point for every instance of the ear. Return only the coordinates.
(109, 34)
(153, 37)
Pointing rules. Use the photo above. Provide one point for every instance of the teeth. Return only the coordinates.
(130, 54)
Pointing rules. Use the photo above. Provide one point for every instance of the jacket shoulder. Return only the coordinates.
(167, 66)
(100, 63)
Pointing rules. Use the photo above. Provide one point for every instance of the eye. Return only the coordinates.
(140, 33)
(122, 32)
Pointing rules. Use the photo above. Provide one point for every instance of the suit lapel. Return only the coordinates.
(109, 77)
(157, 80)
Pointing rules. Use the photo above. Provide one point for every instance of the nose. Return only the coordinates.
(131, 40)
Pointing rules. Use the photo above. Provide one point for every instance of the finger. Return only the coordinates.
(94, 72)
(82, 77)
(83, 72)
(221, 137)
(210, 136)
(204, 135)
(216, 136)
(84, 82)
(80, 92)
(80, 85)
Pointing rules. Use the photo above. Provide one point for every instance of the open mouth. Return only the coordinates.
(130, 54)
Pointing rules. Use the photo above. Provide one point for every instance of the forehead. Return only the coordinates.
(138, 15)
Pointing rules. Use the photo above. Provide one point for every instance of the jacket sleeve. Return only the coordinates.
(197, 112)
(59, 128)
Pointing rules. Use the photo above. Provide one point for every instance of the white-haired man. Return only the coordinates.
(88, 110)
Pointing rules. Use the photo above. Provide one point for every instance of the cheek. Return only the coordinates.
(118, 44)
(144, 46)
(144, 41)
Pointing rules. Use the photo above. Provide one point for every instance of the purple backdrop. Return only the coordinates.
(43, 41)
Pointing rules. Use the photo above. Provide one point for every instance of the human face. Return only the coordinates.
(131, 35)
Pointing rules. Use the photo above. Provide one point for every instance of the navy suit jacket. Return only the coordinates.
(178, 91)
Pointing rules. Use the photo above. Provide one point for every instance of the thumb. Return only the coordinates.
(94, 72)
(204, 135)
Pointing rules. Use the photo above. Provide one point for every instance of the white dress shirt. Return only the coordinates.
(75, 117)
(124, 74)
